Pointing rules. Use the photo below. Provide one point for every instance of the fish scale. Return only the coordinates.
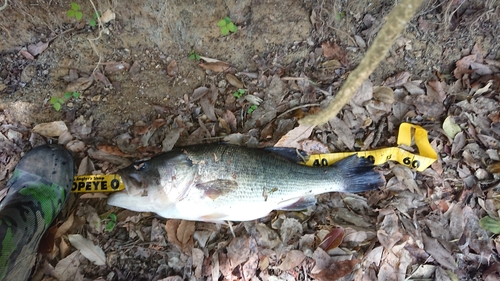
(220, 182)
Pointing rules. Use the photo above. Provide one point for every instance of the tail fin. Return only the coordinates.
(359, 175)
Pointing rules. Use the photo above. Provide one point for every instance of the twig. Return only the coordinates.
(4, 5)
(396, 21)
(94, 47)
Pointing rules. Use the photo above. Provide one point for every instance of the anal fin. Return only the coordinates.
(297, 204)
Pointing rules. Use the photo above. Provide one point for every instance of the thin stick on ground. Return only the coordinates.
(4, 5)
(395, 23)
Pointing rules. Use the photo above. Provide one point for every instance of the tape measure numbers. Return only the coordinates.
(407, 132)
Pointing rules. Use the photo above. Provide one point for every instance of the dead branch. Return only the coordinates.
(395, 23)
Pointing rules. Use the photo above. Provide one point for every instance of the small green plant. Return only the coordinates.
(93, 20)
(252, 108)
(193, 55)
(226, 26)
(340, 15)
(111, 223)
(238, 94)
(75, 12)
(57, 102)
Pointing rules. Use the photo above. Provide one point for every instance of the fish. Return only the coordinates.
(222, 182)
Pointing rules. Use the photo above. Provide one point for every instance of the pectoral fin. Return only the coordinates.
(297, 204)
(216, 188)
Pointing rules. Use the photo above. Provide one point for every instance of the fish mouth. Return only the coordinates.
(135, 185)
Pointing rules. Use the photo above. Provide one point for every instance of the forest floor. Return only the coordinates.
(153, 74)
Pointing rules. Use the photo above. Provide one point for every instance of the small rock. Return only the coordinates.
(481, 174)
(14, 136)
(76, 145)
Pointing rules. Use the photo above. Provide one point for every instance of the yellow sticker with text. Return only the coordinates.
(97, 183)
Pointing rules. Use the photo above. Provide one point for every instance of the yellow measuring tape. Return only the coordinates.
(407, 133)
(379, 156)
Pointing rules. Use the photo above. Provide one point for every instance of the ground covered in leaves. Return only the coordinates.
(149, 75)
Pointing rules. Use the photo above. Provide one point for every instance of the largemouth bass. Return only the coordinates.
(218, 182)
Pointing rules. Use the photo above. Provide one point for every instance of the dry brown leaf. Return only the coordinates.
(250, 267)
(102, 78)
(67, 268)
(293, 258)
(107, 16)
(438, 252)
(80, 85)
(52, 129)
(113, 66)
(397, 80)
(238, 251)
(234, 81)
(230, 119)
(336, 270)
(172, 68)
(207, 102)
(87, 248)
(383, 94)
(334, 51)
(171, 139)
(113, 150)
(26, 54)
(65, 226)
(180, 233)
(313, 147)
(436, 90)
(134, 71)
(343, 132)
(38, 48)
(388, 233)
(198, 93)
(216, 66)
(292, 138)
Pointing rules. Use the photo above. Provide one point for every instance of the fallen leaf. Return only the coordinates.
(172, 68)
(438, 252)
(67, 268)
(52, 129)
(490, 224)
(107, 16)
(383, 94)
(198, 93)
(234, 81)
(26, 54)
(46, 245)
(207, 102)
(333, 239)
(238, 251)
(216, 66)
(180, 233)
(102, 78)
(292, 138)
(336, 270)
(65, 226)
(334, 51)
(171, 139)
(134, 71)
(38, 48)
(293, 258)
(80, 85)
(450, 128)
(397, 80)
(113, 66)
(92, 252)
